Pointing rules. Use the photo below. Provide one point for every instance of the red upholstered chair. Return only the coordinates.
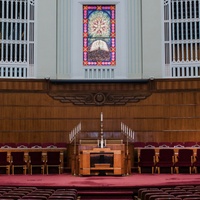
(48, 145)
(143, 192)
(10, 197)
(53, 160)
(139, 144)
(42, 192)
(165, 144)
(22, 145)
(146, 159)
(62, 197)
(180, 193)
(190, 196)
(61, 145)
(149, 195)
(16, 193)
(185, 187)
(34, 197)
(178, 144)
(184, 159)
(190, 144)
(1, 145)
(174, 191)
(196, 163)
(165, 159)
(167, 196)
(35, 145)
(151, 144)
(5, 162)
(72, 192)
(198, 143)
(38, 195)
(36, 160)
(18, 160)
(9, 145)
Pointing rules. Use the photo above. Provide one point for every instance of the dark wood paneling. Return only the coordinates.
(29, 114)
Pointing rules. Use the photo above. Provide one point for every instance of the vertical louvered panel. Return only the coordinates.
(185, 38)
(17, 22)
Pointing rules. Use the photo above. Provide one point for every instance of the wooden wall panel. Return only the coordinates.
(177, 84)
(181, 111)
(197, 111)
(29, 114)
(182, 124)
(180, 98)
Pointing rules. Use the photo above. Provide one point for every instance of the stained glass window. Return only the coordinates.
(99, 41)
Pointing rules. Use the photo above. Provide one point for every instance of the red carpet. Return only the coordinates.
(131, 181)
(102, 187)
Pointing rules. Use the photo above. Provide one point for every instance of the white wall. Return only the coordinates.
(59, 38)
(45, 35)
(152, 38)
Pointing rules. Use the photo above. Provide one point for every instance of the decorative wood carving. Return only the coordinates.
(100, 94)
(100, 98)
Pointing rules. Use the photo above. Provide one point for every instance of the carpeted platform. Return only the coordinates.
(68, 180)
(101, 187)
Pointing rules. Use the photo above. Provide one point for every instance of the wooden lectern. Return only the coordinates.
(101, 161)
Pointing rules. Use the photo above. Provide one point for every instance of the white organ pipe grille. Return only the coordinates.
(17, 38)
(182, 38)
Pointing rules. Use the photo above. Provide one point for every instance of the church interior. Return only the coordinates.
(99, 92)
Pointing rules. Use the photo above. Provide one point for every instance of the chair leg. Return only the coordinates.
(47, 169)
(13, 170)
(24, 169)
(152, 169)
(8, 170)
(139, 170)
(172, 170)
(158, 170)
(42, 170)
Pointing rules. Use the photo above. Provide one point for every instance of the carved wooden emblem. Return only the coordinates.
(90, 94)
(99, 98)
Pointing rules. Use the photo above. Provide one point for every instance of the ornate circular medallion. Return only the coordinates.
(99, 98)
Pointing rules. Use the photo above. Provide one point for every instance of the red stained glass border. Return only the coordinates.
(111, 9)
